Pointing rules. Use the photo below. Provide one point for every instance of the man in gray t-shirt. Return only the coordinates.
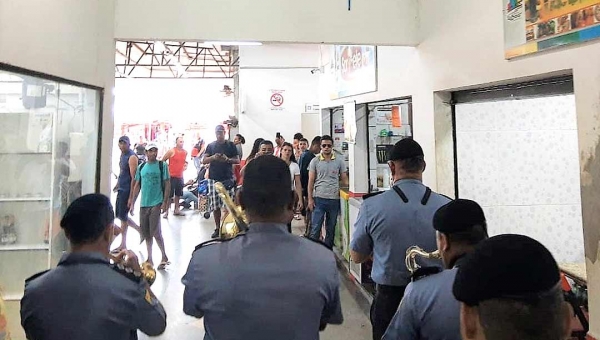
(325, 171)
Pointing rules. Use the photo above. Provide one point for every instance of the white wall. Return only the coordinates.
(72, 39)
(465, 49)
(275, 67)
(391, 22)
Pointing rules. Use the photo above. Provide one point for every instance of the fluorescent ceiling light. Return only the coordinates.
(234, 43)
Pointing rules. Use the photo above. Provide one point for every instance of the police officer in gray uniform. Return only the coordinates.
(85, 297)
(428, 309)
(389, 223)
(509, 287)
(266, 283)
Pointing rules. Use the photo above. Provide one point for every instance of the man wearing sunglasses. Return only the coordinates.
(325, 172)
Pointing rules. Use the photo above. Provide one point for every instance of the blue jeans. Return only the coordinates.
(328, 210)
(188, 198)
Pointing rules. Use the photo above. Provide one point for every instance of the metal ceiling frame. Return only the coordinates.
(170, 59)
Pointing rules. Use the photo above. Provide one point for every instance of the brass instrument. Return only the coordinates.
(236, 221)
(148, 271)
(411, 257)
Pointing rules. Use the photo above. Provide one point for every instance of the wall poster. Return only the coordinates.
(352, 70)
(535, 25)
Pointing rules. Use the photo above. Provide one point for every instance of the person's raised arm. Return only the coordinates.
(208, 156)
(133, 164)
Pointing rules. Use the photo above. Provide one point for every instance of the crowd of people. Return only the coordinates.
(271, 284)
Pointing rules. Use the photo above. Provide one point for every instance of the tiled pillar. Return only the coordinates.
(587, 97)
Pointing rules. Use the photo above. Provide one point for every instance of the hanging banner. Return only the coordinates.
(532, 26)
(352, 70)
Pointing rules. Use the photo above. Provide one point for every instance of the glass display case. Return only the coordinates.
(389, 122)
(49, 133)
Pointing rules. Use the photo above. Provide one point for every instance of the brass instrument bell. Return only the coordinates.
(236, 221)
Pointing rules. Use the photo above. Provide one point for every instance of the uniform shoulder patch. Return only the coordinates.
(424, 272)
(35, 276)
(318, 242)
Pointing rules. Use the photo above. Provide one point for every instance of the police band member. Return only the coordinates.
(266, 283)
(389, 223)
(84, 297)
(428, 309)
(509, 288)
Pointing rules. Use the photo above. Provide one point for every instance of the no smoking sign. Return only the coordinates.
(277, 99)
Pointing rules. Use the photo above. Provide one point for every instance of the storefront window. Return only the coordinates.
(389, 122)
(48, 155)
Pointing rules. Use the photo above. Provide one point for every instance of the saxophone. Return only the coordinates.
(236, 221)
(411, 257)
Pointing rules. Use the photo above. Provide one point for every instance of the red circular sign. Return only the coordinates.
(277, 99)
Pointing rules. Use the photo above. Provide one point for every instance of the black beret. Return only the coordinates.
(458, 215)
(507, 266)
(405, 149)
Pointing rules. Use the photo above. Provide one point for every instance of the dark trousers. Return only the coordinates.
(385, 304)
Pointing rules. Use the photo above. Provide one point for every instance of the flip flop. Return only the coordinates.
(179, 213)
(163, 265)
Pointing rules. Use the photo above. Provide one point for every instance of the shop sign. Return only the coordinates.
(277, 99)
(532, 26)
(352, 70)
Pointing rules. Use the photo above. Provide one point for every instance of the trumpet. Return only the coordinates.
(148, 271)
(236, 221)
(411, 257)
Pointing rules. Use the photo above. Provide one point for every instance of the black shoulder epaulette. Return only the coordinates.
(424, 272)
(372, 194)
(215, 241)
(35, 276)
(319, 242)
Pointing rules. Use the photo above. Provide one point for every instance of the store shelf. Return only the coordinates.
(25, 199)
(15, 247)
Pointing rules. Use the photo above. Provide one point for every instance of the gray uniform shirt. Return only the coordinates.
(427, 311)
(84, 298)
(267, 284)
(327, 176)
(387, 227)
